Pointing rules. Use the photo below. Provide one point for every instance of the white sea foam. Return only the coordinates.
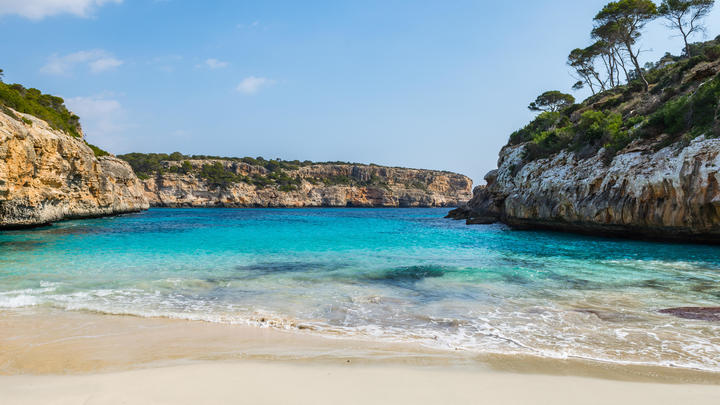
(550, 331)
(18, 301)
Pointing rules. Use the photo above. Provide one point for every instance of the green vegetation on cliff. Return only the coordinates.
(44, 106)
(216, 174)
(277, 173)
(146, 164)
(673, 100)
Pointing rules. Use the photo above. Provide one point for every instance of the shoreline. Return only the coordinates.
(84, 343)
(64, 357)
(30, 227)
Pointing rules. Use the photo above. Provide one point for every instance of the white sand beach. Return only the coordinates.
(83, 358)
(284, 383)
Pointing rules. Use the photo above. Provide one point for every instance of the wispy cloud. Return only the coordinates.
(254, 24)
(103, 64)
(213, 63)
(103, 118)
(39, 9)
(252, 84)
(96, 60)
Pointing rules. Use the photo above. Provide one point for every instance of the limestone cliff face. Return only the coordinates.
(47, 176)
(384, 187)
(670, 193)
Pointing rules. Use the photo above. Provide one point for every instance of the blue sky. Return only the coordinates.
(429, 84)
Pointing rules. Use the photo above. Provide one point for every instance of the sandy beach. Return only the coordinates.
(56, 357)
(283, 383)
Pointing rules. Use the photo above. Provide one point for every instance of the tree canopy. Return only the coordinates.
(686, 16)
(552, 101)
(622, 22)
(583, 61)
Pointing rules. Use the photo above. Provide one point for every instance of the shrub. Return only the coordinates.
(186, 167)
(216, 175)
(692, 62)
(597, 127)
(97, 151)
(696, 113)
(594, 129)
(712, 53)
(145, 164)
(544, 122)
(44, 106)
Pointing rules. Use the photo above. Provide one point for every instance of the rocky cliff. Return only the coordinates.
(187, 184)
(47, 175)
(625, 162)
(671, 193)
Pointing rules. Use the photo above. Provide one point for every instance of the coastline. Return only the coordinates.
(41, 341)
(53, 356)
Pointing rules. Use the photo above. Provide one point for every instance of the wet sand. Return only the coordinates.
(49, 356)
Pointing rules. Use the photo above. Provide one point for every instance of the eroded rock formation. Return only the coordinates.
(47, 176)
(645, 191)
(321, 185)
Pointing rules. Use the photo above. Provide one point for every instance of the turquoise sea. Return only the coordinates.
(394, 275)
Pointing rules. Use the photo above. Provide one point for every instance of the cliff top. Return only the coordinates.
(146, 164)
(681, 102)
(46, 107)
(285, 175)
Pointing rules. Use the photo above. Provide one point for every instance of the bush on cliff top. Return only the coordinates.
(216, 174)
(97, 151)
(683, 102)
(150, 163)
(44, 106)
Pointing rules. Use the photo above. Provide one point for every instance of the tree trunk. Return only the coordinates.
(619, 59)
(635, 62)
(685, 37)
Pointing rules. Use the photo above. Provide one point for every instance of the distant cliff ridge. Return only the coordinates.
(192, 182)
(48, 175)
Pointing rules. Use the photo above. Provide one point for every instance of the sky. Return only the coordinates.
(423, 84)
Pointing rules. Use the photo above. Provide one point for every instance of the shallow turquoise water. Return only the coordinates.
(400, 275)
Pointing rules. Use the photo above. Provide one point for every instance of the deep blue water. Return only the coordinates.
(400, 275)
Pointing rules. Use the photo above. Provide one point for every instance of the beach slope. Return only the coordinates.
(289, 383)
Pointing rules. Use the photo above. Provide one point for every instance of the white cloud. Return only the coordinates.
(213, 63)
(39, 9)
(103, 119)
(96, 60)
(104, 64)
(254, 24)
(252, 84)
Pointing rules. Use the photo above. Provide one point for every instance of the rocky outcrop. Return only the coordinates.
(696, 313)
(47, 176)
(320, 185)
(645, 191)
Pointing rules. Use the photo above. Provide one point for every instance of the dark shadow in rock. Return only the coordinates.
(610, 316)
(263, 269)
(697, 313)
(409, 274)
(21, 245)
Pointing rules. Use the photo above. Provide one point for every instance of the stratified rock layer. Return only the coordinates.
(396, 187)
(47, 176)
(670, 193)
